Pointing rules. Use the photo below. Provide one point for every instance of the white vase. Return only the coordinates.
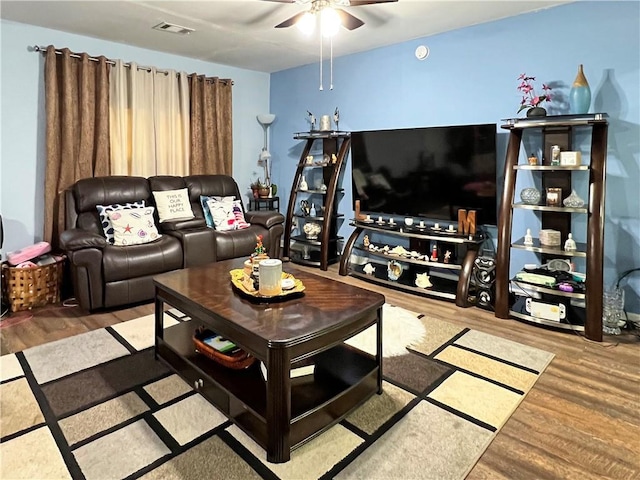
(303, 184)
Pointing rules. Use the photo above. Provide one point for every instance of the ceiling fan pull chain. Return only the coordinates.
(321, 88)
(331, 64)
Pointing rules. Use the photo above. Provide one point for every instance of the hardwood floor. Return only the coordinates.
(581, 419)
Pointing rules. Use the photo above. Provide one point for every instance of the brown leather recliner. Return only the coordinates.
(106, 275)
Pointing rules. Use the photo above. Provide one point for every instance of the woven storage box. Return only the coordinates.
(236, 361)
(27, 288)
(550, 237)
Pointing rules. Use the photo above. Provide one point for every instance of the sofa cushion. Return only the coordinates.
(239, 243)
(133, 226)
(173, 204)
(107, 226)
(239, 214)
(222, 214)
(136, 261)
(204, 199)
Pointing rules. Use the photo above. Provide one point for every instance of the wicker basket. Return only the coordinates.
(26, 288)
(236, 361)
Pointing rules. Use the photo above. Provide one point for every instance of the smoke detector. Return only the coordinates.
(172, 28)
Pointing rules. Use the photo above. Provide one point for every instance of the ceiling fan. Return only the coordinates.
(347, 20)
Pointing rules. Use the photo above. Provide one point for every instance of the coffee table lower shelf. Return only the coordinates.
(344, 378)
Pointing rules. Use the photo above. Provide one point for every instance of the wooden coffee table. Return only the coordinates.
(281, 413)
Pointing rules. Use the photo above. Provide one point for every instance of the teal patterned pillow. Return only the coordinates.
(204, 201)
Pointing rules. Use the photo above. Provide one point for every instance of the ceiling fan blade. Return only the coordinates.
(290, 21)
(356, 3)
(347, 20)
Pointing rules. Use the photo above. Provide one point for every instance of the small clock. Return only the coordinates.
(422, 52)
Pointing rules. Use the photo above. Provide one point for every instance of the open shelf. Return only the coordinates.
(335, 145)
(342, 373)
(556, 131)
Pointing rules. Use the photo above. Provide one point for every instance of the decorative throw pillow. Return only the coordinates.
(222, 213)
(104, 218)
(205, 207)
(239, 214)
(133, 226)
(173, 204)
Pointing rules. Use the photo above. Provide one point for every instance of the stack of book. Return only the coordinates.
(302, 368)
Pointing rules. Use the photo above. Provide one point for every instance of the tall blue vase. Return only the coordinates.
(580, 94)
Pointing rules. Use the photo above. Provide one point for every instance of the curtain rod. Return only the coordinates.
(43, 50)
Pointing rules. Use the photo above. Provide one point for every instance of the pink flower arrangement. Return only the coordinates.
(529, 97)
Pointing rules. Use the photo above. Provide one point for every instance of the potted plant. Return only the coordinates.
(530, 100)
(256, 186)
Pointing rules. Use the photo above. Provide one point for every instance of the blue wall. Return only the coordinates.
(469, 77)
(22, 164)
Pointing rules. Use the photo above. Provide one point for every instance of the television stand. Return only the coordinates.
(446, 279)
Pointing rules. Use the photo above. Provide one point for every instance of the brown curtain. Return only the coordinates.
(77, 130)
(211, 126)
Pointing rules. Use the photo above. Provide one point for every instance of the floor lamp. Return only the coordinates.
(266, 119)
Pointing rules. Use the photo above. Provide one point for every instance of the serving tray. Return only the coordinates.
(244, 286)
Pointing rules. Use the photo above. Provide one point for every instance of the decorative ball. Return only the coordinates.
(530, 196)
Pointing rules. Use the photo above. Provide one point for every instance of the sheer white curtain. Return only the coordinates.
(149, 121)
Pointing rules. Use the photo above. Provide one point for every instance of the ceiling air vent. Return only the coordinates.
(170, 27)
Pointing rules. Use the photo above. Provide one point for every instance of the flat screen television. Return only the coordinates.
(428, 172)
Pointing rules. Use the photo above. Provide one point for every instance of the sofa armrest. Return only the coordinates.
(188, 224)
(78, 239)
(264, 217)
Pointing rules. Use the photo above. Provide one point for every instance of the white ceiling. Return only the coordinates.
(240, 33)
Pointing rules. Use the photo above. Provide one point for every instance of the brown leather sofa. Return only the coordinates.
(106, 275)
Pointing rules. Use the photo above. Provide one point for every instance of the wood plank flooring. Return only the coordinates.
(581, 420)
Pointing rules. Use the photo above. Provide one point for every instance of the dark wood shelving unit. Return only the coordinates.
(556, 130)
(324, 250)
(450, 281)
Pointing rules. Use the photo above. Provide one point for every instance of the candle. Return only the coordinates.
(270, 277)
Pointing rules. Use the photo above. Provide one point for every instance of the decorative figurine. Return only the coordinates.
(533, 160)
(259, 250)
(334, 159)
(366, 242)
(423, 281)
(570, 244)
(312, 120)
(434, 253)
(394, 270)
(528, 239)
(336, 118)
(369, 269)
(555, 155)
(447, 256)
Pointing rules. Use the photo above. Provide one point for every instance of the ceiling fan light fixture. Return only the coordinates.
(329, 21)
(307, 23)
